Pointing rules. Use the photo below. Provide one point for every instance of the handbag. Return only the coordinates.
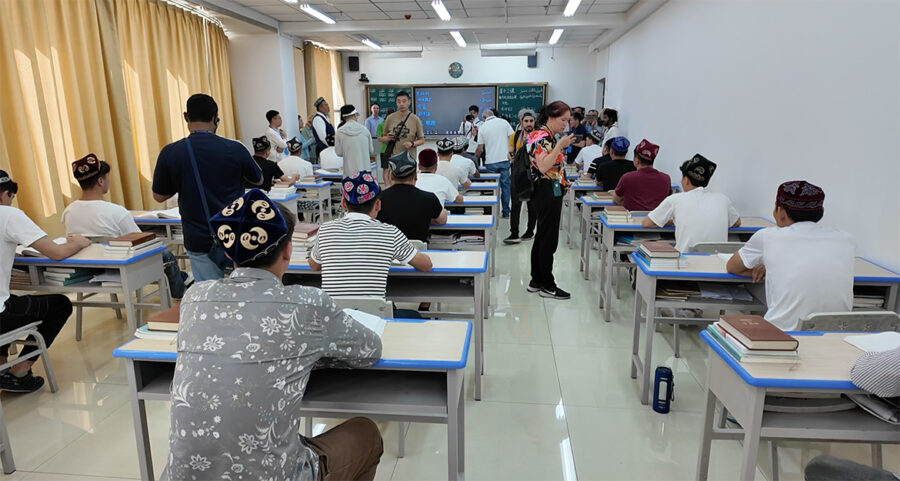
(522, 175)
(217, 251)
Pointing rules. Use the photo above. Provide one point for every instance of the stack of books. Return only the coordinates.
(601, 196)
(281, 190)
(442, 237)
(302, 240)
(676, 290)
(130, 245)
(469, 238)
(66, 276)
(616, 214)
(19, 279)
(868, 298)
(581, 182)
(661, 255)
(307, 180)
(753, 339)
(110, 278)
(162, 326)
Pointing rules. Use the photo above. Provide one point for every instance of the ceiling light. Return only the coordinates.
(459, 38)
(317, 14)
(556, 34)
(571, 7)
(507, 52)
(371, 43)
(441, 10)
(290, 1)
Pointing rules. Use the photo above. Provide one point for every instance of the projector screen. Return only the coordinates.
(443, 108)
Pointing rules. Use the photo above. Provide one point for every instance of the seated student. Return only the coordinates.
(270, 170)
(404, 205)
(16, 311)
(294, 164)
(429, 180)
(646, 187)
(329, 159)
(807, 267)
(462, 160)
(591, 171)
(699, 215)
(91, 216)
(355, 252)
(446, 168)
(593, 149)
(240, 379)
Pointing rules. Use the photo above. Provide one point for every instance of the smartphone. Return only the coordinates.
(579, 138)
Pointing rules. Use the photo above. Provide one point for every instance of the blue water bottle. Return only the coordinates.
(663, 389)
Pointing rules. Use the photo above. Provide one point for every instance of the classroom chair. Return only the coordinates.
(875, 321)
(14, 338)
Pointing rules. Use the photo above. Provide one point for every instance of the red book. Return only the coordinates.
(133, 239)
(756, 333)
(166, 320)
(303, 230)
(659, 249)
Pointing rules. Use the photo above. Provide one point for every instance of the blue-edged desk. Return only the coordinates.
(491, 201)
(467, 223)
(609, 250)
(486, 188)
(485, 175)
(711, 268)
(824, 367)
(573, 197)
(458, 277)
(418, 379)
(318, 192)
(590, 226)
(135, 272)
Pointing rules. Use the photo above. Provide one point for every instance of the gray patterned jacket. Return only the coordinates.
(246, 347)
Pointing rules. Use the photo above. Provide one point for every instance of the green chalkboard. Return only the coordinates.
(513, 97)
(384, 95)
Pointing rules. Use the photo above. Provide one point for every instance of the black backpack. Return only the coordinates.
(521, 174)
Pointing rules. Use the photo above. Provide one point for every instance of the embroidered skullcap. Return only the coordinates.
(402, 165)
(647, 150)
(260, 144)
(800, 195)
(699, 169)
(360, 187)
(428, 158)
(250, 227)
(86, 167)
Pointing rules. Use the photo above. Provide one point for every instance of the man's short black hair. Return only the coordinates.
(271, 115)
(374, 104)
(804, 215)
(271, 257)
(201, 108)
(611, 114)
(91, 182)
(608, 144)
(11, 187)
(578, 116)
(365, 207)
(470, 117)
(641, 160)
(402, 93)
(474, 107)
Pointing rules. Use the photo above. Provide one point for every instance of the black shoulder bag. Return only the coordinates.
(389, 147)
(217, 251)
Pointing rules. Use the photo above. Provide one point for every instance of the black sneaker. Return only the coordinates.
(512, 239)
(528, 236)
(555, 293)
(505, 216)
(532, 287)
(27, 383)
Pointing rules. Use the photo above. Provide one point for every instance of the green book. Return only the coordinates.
(711, 329)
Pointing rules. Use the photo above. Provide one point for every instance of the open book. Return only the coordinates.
(160, 214)
(22, 251)
(373, 323)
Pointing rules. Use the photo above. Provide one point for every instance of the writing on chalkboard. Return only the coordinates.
(513, 98)
(386, 96)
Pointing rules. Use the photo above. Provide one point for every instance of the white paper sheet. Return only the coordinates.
(373, 323)
(883, 341)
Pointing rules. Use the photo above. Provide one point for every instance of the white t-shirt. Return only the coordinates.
(277, 142)
(494, 134)
(439, 185)
(329, 160)
(98, 218)
(15, 229)
(464, 164)
(293, 165)
(611, 133)
(809, 268)
(456, 176)
(468, 129)
(588, 154)
(699, 215)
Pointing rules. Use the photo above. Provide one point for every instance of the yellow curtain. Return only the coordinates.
(300, 85)
(60, 81)
(318, 76)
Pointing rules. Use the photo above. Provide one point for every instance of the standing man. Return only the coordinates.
(353, 143)
(322, 129)
(224, 166)
(610, 121)
(493, 141)
(373, 120)
(592, 122)
(576, 127)
(403, 127)
(517, 141)
(276, 136)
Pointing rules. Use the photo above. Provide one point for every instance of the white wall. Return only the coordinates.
(569, 72)
(774, 91)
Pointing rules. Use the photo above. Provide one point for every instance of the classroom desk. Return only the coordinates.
(824, 367)
(609, 251)
(136, 273)
(456, 277)
(590, 228)
(318, 192)
(469, 223)
(419, 378)
(491, 201)
(486, 188)
(711, 268)
(335, 175)
(485, 175)
(573, 196)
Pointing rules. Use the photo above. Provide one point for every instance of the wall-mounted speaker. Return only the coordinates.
(532, 60)
(354, 63)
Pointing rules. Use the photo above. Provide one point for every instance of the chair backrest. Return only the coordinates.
(419, 245)
(716, 247)
(863, 321)
(377, 306)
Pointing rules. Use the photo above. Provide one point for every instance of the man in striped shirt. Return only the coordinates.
(355, 252)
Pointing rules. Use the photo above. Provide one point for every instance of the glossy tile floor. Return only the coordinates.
(558, 402)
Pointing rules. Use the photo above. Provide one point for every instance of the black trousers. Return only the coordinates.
(549, 211)
(52, 310)
(516, 212)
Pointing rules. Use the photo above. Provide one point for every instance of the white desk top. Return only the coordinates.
(476, 200)
(748, 224)
(442, 262)
(466, 221)
(484, 185)
(90, 255)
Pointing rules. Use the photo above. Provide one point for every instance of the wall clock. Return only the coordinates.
(456, 70)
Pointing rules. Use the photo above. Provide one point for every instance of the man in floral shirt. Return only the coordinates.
(246, 347)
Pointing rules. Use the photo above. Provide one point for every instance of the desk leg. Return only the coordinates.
(752, 430)
(128, 293)
(6, 456)
(604, 259)
(139, 414)
(649, 287)
(456, 425)
(571, 195)
(479, 334)
(78, 315)
(607, 286)
(636, 334)
(706, 434)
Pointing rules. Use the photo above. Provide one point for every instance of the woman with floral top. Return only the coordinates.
(548, 159)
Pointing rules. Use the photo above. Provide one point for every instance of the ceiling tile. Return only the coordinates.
(367, 15)
(399, 6)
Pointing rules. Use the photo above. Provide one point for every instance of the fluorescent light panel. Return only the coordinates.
(316, 14)
(571, 7)
(441, 10)
(371, 43)
(556, 34)
(458, 37)
(507, 52)
(291, 1)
